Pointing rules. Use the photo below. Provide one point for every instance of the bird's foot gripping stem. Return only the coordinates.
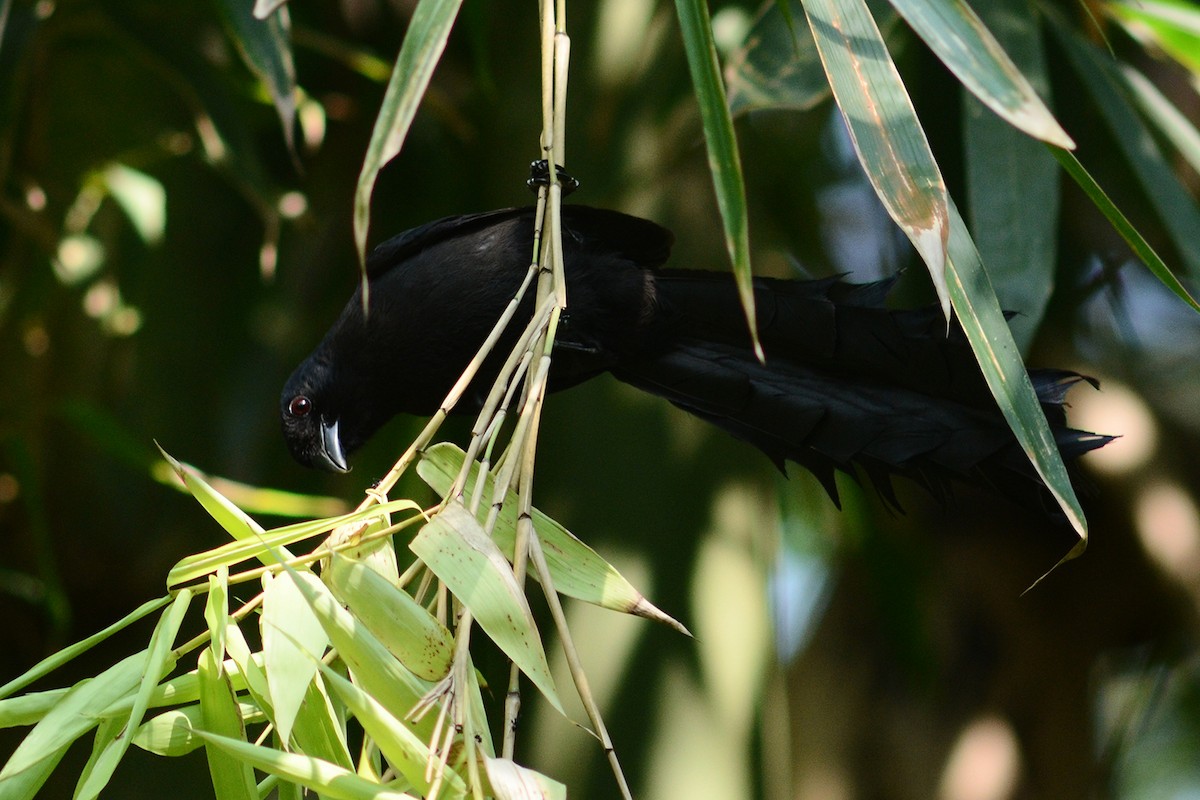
(539, 176)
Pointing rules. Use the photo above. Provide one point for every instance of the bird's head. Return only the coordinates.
(314, 418)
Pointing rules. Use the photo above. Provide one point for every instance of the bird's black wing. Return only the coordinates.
(408, 244)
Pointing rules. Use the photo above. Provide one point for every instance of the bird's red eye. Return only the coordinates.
(299, 406)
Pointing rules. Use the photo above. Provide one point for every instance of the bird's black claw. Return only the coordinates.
(539, 175)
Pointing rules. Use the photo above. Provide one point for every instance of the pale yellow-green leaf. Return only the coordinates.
(456, 549)
(317, 731)
(219, 714)
(172, 733)
(291, 633)
(216, 612)
(511, 781)
(578, 571)
(401, 624)
(405, 752)
(328, 780)
(160, 658)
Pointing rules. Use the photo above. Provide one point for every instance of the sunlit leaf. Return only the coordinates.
(293, 640)
(329, 780)
(141, 197)
(578, 571)
(405, 751)
(724, 161)
(511, 781)
(317, 730)
(160, 658)
(1173, 25)
(232, 779)
(456, 549)
(964, 44)
(884, 128)
(401, 624)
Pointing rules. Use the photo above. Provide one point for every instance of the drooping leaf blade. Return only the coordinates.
(884, 128)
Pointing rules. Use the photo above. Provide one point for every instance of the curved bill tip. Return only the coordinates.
(331, 456)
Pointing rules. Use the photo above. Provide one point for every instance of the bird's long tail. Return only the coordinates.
(847, 384)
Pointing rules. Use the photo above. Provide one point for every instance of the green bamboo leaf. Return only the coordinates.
(983, 322)
(199, 565)
(405, 752)
(423, 44)
(723, 159)
(884, 128)
(1013, 184)
(290, 633)
(400, 623)
(456, 549)
(216, 611)
(249, 668)
(73, 714)
(28, 709)
(266, 47)
(1122, 225)
(317, 731)
(172, 733)
(50, 664)
(1173, 25)
(1172, 204)
(372, 667)
(577, 569)
(510, 781)
(160, 658)
(219, 713)
(328, 780)
(964, 44)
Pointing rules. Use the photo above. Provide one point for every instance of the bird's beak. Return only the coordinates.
(330, 456)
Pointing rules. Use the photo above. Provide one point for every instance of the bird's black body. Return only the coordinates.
(846, 382)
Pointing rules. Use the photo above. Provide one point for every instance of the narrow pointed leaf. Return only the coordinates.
(1122, 225)
(423, 44)
(328, 780)
(1181, 131)
(232, 779)
(456, 549)
(964, 44)
(577, 569)
(159, 660)
(724, 161)
(405, 752)
(983, 322)
(1172, 204)
(1174, 26)
(884, 128)
(317, 730)
(172, 733)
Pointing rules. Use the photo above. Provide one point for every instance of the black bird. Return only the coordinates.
(847, 383)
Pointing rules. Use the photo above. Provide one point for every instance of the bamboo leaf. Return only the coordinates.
(1172, 204)
(317, 730)
(510, 781)
(983, 322)
(1122, 225)
(159, 660)
(884, 128)
(1013, 184)
(219, 713)
(290, 634)
(423, 44)
(329, 780)
(577, 569)
(1181, 132)
(456, 549)
(964, 44)
(777, 66)
(401, 624)
(723, 159)
(1173, 25)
